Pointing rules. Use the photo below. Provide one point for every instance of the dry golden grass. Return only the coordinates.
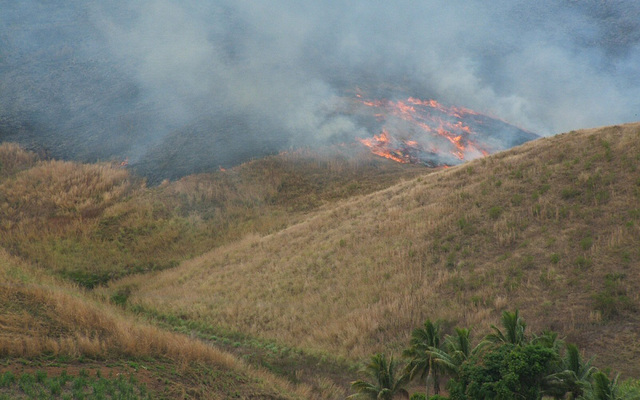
(93, 223)
(40, 315)
(59, 189)
(545, 227)
(14, 159)
(50, 214)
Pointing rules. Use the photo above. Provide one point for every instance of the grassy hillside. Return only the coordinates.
(57, 341)
(95, 222)
(304, 264)
(89, 224)
(551, 227)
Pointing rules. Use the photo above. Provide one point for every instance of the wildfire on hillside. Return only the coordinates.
(426, 132)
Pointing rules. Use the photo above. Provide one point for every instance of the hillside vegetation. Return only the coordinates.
(50, 329)
(95, 222)
(304, 264)
(551, 228)
(90, 223)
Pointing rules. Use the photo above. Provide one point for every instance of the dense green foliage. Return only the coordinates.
(507, 364)
(507, 371)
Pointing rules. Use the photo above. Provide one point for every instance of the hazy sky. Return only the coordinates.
(283, 67)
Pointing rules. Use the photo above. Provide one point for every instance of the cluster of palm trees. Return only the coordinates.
(506, 364)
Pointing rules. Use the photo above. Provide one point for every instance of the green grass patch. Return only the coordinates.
(586, 243)
(293, 364)
(39, 385)
(495, 212)
(612, 300)
(583, 262)
(569, 193)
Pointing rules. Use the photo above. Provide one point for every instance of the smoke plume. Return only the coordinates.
(183, 86)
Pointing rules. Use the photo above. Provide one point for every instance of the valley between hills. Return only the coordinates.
(279, 278)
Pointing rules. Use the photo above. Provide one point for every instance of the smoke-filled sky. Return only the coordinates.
(104, 78)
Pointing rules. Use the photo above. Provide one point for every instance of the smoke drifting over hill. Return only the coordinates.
(222, 81)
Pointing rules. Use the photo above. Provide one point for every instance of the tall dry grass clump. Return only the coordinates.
(44, 320)
(13, 159)
(63, 189)
(49, 213)
(42, 315)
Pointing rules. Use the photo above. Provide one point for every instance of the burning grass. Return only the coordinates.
(426, 132)
(459, 245)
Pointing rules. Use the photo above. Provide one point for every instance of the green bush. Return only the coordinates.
(586, 243)
(583, 262)
(613, 299)
(41, 376)
(505, 372)
(495, 211)
(6, 379)
(516, 199)
(463, 223)
(121, 296)
(569, 193)
(422, 396)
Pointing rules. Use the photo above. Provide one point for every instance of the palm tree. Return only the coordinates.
(514, 328)
(573, 376)
(387, 385)
(423, 342)
(548, 339)
(604, 389)
(457, 349)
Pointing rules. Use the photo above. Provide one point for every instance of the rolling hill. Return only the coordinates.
(52, 329)
(550, 227)
(305, 264)
(67, 227)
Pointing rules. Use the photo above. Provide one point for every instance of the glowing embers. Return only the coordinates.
(381, 145)
(424, 132)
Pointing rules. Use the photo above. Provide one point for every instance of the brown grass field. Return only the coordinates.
(305, 264)
(92, 223)
(551, 228)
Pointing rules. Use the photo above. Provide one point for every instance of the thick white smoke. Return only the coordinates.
(265, 75)
(548, 66)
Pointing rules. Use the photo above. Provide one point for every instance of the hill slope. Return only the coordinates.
(95, 222)
(90, 223)
(48, 327)
(550, 227)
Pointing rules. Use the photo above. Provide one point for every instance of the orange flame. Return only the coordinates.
(378, 145)
(422, 117)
